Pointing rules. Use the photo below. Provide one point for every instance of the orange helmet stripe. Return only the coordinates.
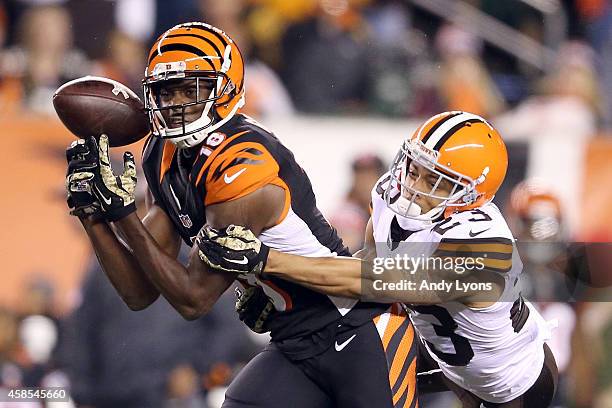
(180, 52)
(206, 42)
(191, 36)
(179, 47)
(177, 42)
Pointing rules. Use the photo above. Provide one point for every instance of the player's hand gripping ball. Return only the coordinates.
(116, 194)
(93, 186)
(82, 164)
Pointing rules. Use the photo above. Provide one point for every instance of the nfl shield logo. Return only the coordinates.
(186, 221)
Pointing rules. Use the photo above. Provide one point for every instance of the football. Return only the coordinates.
(91, 106)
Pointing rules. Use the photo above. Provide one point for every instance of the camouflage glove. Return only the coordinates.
(232, 249)
(254, 308)
(116, 194)
(82, 164)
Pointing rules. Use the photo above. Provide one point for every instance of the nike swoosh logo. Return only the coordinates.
(473, 234)
(243, 261)
(229, 179)
(106, 200)
(340, 347)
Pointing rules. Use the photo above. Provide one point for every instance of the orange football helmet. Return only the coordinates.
(459, 147)
(199, 52)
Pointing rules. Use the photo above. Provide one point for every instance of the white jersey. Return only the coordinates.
(495, 352)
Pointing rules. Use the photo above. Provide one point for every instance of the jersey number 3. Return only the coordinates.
(463, 351)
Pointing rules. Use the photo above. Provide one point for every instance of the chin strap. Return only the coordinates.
(472, 196)
(409, 209)
(483, 176)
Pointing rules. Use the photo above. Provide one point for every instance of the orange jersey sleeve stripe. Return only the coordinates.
(239, 171)
(224, 193)
(167, 156)
(280, 183)
(498, 264)
(249, 151)
(475, 247)
(216, 152)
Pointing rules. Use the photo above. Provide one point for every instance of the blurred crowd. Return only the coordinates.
(382, 57)
(387, 58)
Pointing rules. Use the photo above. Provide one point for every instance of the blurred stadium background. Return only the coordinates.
(341, 82)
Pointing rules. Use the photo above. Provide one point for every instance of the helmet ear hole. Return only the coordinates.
(470, 198)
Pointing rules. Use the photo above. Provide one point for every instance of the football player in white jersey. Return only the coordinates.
(434, 206)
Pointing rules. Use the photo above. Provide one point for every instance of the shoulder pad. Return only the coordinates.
(378, 191)
(238, 166)
(483, 222)
(481, 233)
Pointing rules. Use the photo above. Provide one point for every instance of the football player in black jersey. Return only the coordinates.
(207, 164)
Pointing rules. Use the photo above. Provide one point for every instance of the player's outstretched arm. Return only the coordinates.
(368, 280)
(119, 265)
(342, 277)
(235, 249)
(116, 260)
(194, 289)
(191, 290)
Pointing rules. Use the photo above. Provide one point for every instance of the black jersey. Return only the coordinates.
(237, 159)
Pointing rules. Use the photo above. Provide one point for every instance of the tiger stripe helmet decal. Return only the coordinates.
(200, 52)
